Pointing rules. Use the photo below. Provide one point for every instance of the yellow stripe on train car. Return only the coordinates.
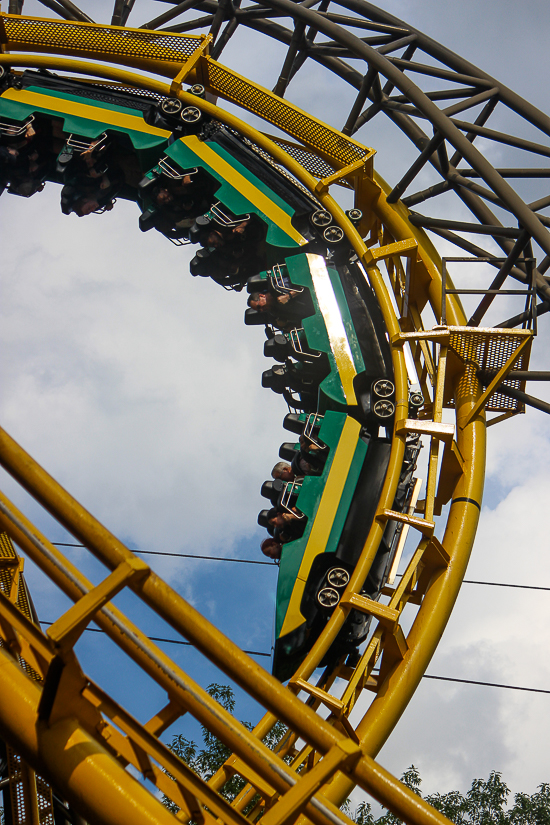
(330, 311)
(245, 187)
(83, 110)
(326, 513)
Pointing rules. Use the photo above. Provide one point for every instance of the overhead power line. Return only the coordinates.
(485, 684)
(178, 555)
(168, 641)
(260, 653)
(502, 584)
(272, 564)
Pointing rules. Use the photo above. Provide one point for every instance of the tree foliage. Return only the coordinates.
(485, 803)
(206, 759)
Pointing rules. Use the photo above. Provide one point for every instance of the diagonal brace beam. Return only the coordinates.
(293, 802)
(68, 628)
(498, 379)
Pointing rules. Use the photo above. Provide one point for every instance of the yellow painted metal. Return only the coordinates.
(163, 54)
(425, 526)
(403, 661)
(386, 615)
(335, 326)
(191, 64)
(67, 629)
(513, 359)
(498, 418)
(79, 762)
(294, 801)
(408, 247)
(444, 432)
(490, 349)
(86, 757)
(326, 141)
(362, 165)
(404, 533)
(129, 47)
(324, 519)
(434, 442)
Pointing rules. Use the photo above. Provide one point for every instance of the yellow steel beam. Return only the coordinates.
(386, 615)
(68, 628)
(255, 680)
(70, 759)
(401, 381)
(166, 54)
(435, 429)
(343, 754)
(352, 168)
(191, 64)
(402, 681)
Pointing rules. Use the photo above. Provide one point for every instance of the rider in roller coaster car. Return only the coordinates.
(284, 310)
(25, 157)
(92, 178)
(310, 459)
(75, 163)
(232, 252)
(302, 377)
(283, 471)
(85, 199)
(287, 524)
(271, 548)
(284, 522)
(172, 199)
(177, 204)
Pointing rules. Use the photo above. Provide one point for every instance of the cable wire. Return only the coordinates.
(485, 684)
(168, 641)
(273, 564)
(178, 555)
(260, 653)
(502, 584)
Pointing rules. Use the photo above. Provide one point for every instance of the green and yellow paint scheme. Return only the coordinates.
(86, 117)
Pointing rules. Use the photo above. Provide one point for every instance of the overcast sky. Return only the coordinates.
(138, 387)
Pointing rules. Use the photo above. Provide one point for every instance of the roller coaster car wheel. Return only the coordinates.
(383, 388)
(383, 409)
(171, 106)
(338, 577)
(355, 216)
(320, 219)
(2, 72)
(416, 399)
(198, 90)
(333, 235)
(190, 114)
(328, 597)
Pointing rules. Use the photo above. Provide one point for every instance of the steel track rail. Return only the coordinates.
(403, 116)
(462, 521)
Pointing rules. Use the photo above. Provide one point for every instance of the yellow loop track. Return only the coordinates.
(65, 726)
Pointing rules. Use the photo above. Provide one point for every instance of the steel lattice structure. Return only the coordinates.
(475, 370)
